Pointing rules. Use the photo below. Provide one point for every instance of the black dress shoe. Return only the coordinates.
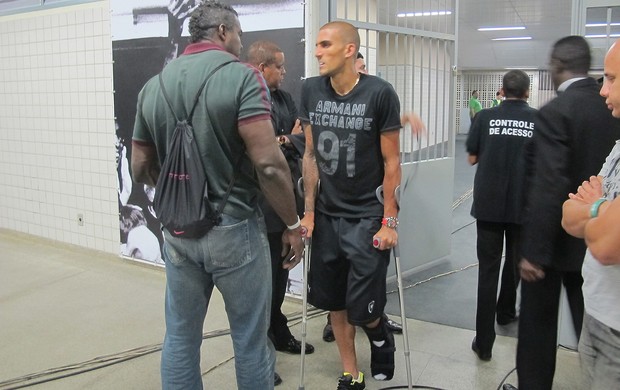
(485, 356)
(508, 386)
(294, 346)
(328, 332)
(392, 325)
(506, 319)
(276, 379)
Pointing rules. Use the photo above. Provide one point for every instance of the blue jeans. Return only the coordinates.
(599, 351)
(234, 257)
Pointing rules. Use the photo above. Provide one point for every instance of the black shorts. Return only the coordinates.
(346, 271)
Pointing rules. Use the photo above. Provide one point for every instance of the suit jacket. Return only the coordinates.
(283, 116)
(574, 134)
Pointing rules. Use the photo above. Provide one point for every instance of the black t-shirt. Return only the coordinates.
(498, 136)
(346, 133)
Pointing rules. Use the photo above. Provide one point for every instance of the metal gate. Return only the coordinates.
(411, 44)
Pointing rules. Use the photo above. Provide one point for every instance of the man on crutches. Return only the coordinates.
(351, 122)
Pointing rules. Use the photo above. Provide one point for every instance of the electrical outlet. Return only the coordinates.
(80, 219)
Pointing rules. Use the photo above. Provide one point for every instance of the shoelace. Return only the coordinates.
(346, 381)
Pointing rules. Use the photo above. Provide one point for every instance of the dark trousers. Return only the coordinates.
(490, 245)
(278, 328)
(538, 325)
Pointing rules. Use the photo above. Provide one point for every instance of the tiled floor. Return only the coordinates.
(63, 305)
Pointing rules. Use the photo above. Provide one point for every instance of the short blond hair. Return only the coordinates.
(348, 32)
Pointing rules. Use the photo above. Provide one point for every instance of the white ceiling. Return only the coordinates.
(544, 20)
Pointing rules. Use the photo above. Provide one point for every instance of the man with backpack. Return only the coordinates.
(233, 133)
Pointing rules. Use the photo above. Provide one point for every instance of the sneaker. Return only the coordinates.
(382, 358)
(277, 380)
(346, 382)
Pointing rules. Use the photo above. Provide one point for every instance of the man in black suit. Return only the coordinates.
(574, 134)
(495, 143)
(267, 57)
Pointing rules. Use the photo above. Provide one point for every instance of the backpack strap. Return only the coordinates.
(236, 170)
(204, 83)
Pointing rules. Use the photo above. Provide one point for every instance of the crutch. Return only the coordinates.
(304, 294)
(376, 242)
(304, 308)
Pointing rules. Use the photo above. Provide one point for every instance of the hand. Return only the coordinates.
(292, 247)
(308, 223)
(530, 272)
(413, 120)
(297, 127)
(589, 191)
(386, 237)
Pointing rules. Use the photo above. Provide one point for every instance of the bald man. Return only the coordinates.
(416, 125)
(593, 213)
(351, 122)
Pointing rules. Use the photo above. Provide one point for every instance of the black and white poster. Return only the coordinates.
(146, 35)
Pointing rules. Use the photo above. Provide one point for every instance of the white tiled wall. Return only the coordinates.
(57, 154)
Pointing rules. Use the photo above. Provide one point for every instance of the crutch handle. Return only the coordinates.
(304, 235)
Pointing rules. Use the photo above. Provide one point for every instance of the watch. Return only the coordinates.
(391, 222)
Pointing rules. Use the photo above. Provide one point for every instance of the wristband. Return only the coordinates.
(295, 225)
(595, 206)
(391, 222)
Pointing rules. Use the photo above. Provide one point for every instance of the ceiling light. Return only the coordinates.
(426, 13)
(512, 39)
(603, 36)
(602, 24)
(501, 28)
(522, 68)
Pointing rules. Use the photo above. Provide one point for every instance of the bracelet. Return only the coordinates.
(595, 207)
(295, 225)
(391, 222)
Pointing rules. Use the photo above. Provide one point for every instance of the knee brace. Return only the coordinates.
(381, 351)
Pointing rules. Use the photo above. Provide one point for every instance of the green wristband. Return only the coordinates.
(595, 206)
